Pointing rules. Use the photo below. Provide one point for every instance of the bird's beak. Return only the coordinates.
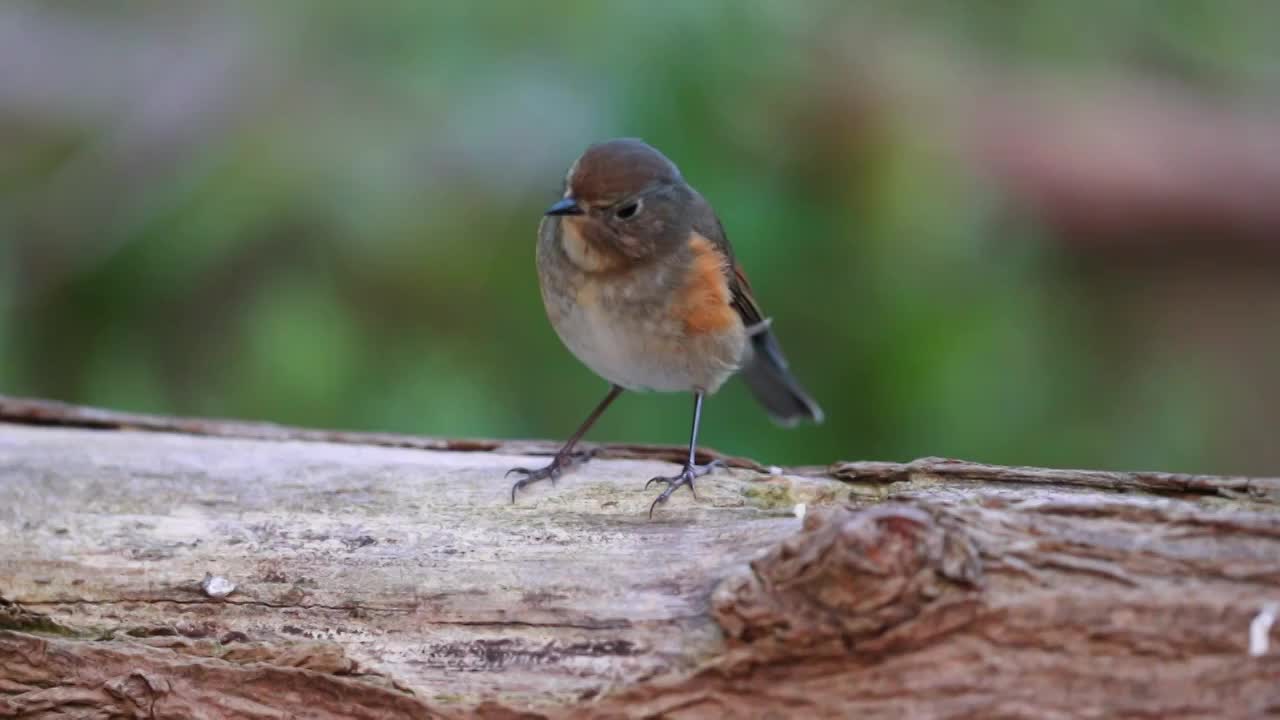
(565, 206)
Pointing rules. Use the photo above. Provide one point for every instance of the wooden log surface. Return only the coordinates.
(386, 576)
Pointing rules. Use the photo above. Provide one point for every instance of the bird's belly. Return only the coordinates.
(640, 347)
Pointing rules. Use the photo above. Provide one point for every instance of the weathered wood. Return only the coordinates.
(375, 579)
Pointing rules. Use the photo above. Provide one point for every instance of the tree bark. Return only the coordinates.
(382, 576)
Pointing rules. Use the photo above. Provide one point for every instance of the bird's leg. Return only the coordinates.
(565, 457)
(691, 470)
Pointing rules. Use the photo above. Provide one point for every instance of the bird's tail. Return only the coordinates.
(772, 383)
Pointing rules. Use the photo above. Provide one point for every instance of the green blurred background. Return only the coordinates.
(323, 213)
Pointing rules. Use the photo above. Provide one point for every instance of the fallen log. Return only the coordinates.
(173, 568)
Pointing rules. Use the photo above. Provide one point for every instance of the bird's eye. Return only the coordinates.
(628, 211)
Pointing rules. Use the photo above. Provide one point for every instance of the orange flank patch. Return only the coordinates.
(704, 305)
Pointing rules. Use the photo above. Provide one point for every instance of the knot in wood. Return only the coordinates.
(848, 575)
(138, 688)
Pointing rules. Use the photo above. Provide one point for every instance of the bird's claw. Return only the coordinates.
(541, 472)
(551, 471)
(685, 477)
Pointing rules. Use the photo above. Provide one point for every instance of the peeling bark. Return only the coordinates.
(382, 576)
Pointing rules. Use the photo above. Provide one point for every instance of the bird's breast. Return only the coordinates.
(642, 328)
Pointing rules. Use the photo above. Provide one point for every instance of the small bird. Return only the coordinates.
(641, 285)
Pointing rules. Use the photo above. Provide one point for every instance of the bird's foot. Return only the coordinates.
(685, 477)
(550, 471)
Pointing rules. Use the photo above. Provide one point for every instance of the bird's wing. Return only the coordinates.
(765, 369)
(742, 301)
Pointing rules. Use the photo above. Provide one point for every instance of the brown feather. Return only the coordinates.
(610, 171)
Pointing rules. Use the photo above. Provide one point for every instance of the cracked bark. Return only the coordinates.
(386, 576)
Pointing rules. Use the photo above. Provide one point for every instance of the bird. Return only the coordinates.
(641, 284)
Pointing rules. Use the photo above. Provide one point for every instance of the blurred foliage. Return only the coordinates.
(323, 213)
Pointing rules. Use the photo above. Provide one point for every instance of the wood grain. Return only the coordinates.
(376, 579)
